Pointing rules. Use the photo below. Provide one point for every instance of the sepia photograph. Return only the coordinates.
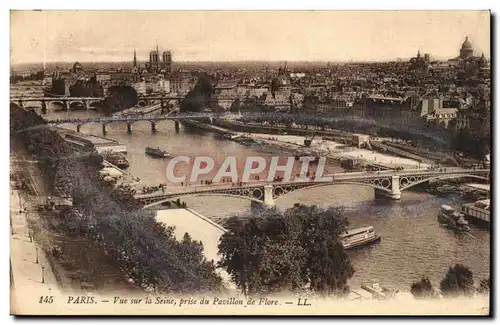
(278, 162)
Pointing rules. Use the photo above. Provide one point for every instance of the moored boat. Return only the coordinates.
(359, 237)
(157, 152)
(453, 219)
(117, 159)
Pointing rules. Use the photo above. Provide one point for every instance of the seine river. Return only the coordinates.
(413, 243)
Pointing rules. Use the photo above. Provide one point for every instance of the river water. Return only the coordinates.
(413, 243)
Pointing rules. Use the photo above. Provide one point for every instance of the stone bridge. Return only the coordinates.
(130, 120)
(65, 102)
(88, 103)
(387, 183)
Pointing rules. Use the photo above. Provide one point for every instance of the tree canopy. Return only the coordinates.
(458, 281)
(298, 249)
(423, 289)
(199, 97)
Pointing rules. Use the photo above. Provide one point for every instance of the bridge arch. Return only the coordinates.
(295, 188)
(94, 104)
(76, 105)
(56, 105)
(408, 185)
(181, 195)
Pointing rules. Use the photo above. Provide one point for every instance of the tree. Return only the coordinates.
(423, 289)
(292, 250)
(198, 98)
(120, 97)
(484, 285)
(457, 281)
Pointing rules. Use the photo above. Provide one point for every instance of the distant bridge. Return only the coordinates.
(88, 102)
(129, 120)
(386, 183)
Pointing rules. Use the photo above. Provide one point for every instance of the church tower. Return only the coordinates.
(135, 59)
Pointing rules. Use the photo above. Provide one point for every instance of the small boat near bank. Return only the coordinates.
(157, 152)
(453, 219)
(359, 237)
(116, 158)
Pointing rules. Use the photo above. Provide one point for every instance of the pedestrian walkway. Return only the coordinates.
(31, 275)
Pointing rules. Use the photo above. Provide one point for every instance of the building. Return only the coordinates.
(77, 68)
(167, 61)
(180, 83)
(466, 50)
(442, 116)
(225, 93)
(140, 87)
(419, 62)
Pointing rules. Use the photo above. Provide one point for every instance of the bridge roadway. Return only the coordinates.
(132, 119)
(386, 183)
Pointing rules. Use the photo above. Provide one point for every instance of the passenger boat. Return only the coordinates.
(157, 153)
(446, 189)
(359, 237)
(453, 219)
(116, 159)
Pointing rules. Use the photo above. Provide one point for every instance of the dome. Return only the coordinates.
(466, 45)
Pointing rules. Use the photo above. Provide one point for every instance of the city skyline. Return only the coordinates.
(251, 36)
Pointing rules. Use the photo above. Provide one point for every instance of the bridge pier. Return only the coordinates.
(268, 196)
(104, 132)
(44, 107)
(129, 128)
(66, 105)
(20, 103)
(153, 127)
(177, 126)
(395, 193)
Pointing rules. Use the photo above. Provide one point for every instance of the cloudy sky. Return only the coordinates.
(253, 35)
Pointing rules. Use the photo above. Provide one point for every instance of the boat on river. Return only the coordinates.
(157, 152)
(453, 219)
(359, 237)
(116, 158)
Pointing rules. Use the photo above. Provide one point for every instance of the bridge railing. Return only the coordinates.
(198, 187)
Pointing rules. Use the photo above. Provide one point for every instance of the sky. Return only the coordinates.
(69, 36)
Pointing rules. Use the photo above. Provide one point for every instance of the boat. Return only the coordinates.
(359, 237)
(453, 219)
(157, 152)
(117, 159)
(378, 291)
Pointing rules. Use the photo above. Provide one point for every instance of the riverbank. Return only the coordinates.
(334, 151)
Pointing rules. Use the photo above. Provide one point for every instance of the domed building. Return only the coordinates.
(466, 50)
(281, 84)
(77, 68)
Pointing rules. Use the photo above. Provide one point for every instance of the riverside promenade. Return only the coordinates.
(31, 275)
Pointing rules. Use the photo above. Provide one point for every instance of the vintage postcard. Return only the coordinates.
(250, 163)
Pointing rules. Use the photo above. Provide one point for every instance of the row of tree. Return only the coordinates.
(458, 281)
(473, 144)
(146, 249)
